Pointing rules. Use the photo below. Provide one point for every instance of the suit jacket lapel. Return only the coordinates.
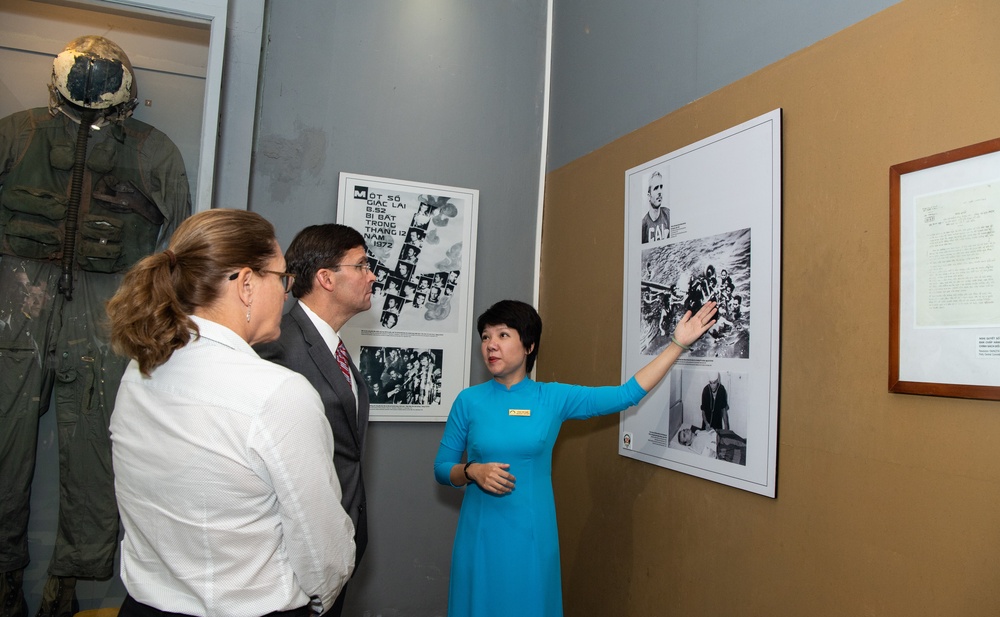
(327, 364)
(361, 425)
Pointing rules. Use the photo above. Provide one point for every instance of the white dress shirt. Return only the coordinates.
(225, 483)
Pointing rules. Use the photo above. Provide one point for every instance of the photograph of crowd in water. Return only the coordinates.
(682, 276)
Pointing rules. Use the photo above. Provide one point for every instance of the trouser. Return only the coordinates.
(50, 346)
(133, 608)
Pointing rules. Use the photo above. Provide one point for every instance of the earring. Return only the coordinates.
(248, 313)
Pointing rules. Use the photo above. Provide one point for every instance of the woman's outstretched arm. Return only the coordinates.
(688, 330)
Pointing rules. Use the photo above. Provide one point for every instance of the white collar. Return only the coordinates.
(330, 336)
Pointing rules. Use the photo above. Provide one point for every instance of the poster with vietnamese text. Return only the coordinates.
(413, 344)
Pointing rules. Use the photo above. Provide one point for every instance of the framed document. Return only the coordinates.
(944, 255)
(413, 344)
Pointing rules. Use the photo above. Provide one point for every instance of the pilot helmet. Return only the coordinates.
(93, 72)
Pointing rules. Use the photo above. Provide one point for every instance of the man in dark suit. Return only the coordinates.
(332, 283)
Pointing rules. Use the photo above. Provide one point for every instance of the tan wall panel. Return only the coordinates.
(887, 504)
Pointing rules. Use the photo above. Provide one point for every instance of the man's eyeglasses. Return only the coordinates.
(287, 278)
(363, 268)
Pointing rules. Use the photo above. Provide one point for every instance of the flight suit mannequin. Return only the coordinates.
(85, 192)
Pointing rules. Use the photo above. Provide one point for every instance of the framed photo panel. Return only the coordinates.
(703, 223)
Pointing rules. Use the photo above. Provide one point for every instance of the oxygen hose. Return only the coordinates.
(73, 207)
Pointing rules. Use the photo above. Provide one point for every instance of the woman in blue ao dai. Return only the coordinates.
(505, 560)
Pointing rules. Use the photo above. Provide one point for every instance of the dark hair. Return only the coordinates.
(317, 247)
(520, 316)
(149, 313)
(691, 431)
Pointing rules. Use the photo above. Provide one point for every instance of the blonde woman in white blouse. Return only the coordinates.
(223, 462)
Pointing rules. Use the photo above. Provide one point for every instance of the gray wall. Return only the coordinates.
(617, 66)
(439, 91)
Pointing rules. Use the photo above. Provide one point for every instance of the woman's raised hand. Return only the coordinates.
(690, 328)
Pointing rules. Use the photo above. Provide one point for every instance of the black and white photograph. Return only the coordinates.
(389, 320)
(410, 253)
(423, 215)
(656, 217)
(715, 416)
(682, 276)
(415, 237)
(708, 417)
(421, 242)
(403, 270)
(393, 286)
(392, 304)
(402, 375)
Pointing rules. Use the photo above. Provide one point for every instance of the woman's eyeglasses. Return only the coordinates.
(287, 278)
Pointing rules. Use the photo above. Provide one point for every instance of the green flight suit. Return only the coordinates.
(134, 193)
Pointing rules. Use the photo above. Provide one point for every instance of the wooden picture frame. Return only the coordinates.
(944, 256)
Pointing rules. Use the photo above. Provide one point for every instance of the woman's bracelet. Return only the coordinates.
(679, 344)
(466, 472)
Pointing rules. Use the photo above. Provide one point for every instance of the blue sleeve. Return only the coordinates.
(456, 431)
(580, 402)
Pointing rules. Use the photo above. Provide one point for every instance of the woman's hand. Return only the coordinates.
(492, 477)
(690, 328)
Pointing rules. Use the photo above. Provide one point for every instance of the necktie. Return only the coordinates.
(345, 366)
